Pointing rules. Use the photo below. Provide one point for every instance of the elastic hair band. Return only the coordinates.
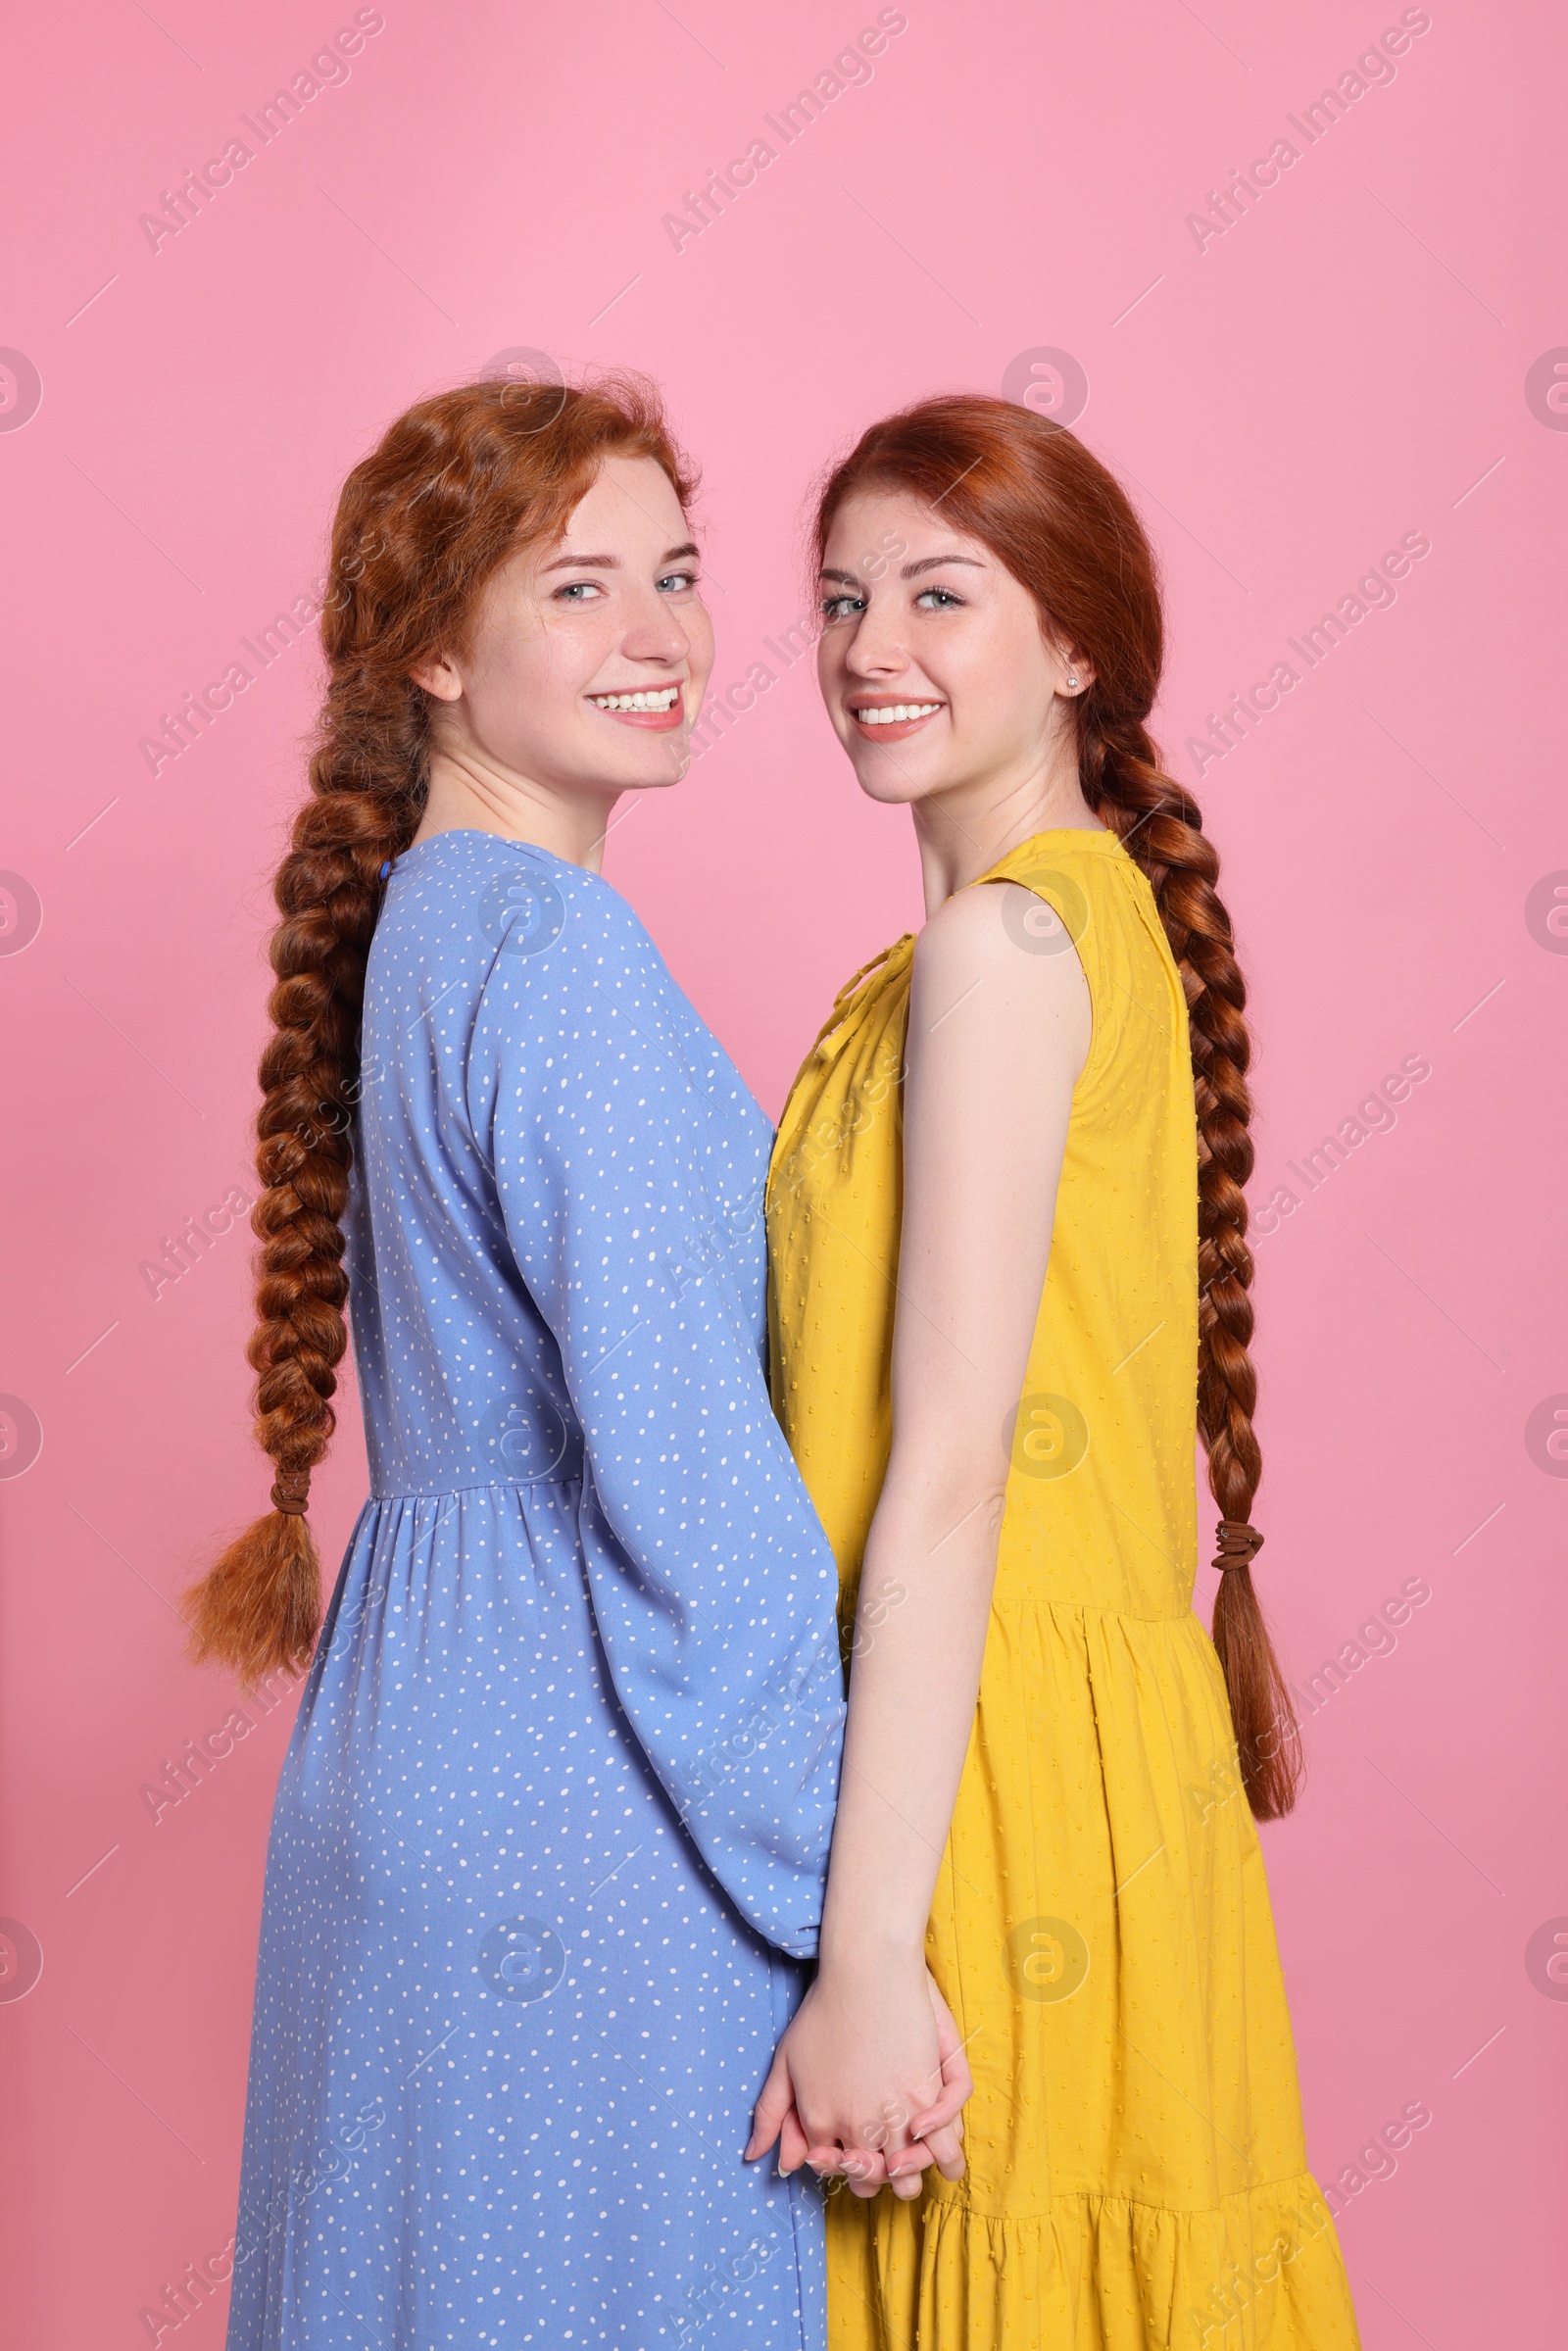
(291, 1493)
(1239, 1542)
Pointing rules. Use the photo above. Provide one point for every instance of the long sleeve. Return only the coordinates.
(636, 1226)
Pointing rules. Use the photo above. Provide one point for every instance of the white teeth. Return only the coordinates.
(662, 698)
(898, 714)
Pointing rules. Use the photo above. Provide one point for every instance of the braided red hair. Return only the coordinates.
(1063, 526)
(456, 486)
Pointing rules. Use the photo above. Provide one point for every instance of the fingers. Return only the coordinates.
(947, 2112)
(939, 2127)
(866, 2171)
(792, 2142)
(861, 2168)
(957, 2081)
(772, 2106)
(946, 2150)
(946, 2026)
(950, 2050)
(907, 2169)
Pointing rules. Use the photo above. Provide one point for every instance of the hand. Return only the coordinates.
(882, 2045)
(936, 2134)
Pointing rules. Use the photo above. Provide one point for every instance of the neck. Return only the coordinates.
(965, 830)
(468, 794)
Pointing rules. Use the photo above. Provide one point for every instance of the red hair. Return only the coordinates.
(1065, 529)
(455, 487)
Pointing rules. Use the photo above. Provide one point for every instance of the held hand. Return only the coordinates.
(860, 2059)
(936, 2135)
(937, 2129)
(874, 2063)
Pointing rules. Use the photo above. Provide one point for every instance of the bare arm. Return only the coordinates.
(999, 1032)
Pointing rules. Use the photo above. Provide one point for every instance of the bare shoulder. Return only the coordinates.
(999, 1035)
(1001, 946)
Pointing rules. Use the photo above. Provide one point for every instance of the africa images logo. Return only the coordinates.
(20, 390)
(522, 1959)
(523, 913)
(524, 1438)
(1046, 1960)
(1048, 1438)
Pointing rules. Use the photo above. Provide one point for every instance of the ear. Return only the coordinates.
(438, 679)
(1076, 674)
(1068, 662)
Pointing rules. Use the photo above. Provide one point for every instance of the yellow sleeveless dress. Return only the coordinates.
(1137, 2174)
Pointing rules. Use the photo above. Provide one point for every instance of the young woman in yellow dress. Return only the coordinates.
(1009, 1294)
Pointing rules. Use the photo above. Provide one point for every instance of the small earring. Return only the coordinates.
(1073, 678)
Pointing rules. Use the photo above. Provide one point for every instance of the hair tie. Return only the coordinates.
(386, 869)
(1239, 1542)
(291, 1493)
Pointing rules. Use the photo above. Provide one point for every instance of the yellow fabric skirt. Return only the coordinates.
(1101, 1930)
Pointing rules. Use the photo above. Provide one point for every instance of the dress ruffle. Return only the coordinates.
(1260, 2272)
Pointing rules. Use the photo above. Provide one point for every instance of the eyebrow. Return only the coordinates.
(933, 563)
(929, 563)
(612, 562)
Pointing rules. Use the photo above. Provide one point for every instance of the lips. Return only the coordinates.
(892, 718)
(656, 709)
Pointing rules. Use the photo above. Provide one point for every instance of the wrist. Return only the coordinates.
(857, 1950)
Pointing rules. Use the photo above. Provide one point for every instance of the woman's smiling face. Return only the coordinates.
(933, 662)
(587, 659)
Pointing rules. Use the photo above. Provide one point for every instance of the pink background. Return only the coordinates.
(1344, 364)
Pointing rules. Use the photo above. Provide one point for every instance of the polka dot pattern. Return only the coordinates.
(551, 1831)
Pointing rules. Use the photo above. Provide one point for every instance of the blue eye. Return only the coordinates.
(948, 599)
(579, 591)
(678, 581)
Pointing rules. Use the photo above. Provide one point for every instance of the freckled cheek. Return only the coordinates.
(699, 657)
(530, 692)
(554, 670)
(832, 646)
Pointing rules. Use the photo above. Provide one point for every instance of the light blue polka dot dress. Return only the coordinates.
(551, 1831)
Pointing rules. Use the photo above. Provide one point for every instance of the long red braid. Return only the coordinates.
(455, 487)
(1063, 526)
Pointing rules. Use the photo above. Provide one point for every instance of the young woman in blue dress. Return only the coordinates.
(550, 1836)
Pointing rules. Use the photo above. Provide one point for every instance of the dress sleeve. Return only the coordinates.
(634, 1224)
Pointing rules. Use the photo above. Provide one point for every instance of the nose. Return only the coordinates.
(875, 649)
(655, 633)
